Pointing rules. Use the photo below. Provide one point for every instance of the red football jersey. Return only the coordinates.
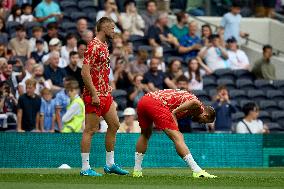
(173, 98)
(97, 56)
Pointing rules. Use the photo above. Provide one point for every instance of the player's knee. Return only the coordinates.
(113, 128)
(90, 131)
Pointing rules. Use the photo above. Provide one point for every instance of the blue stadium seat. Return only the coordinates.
(212, 93)
(77, 15)
(69, 27)
(268, 105)
(264, 84)
(171, 58)
(278, 116)
(87, 6)
(228, 82)
(209, 84)
(120, 97)
(91, 16)
(265, 117)
(256, 95)
(237, 94)
(274, 127)
(29, 27)
(120, 115)
(238, 116)
(277, 95)
(69, 6)
(279, 84)
(244, 102)
(201, 95)
(211, 76)
(281, 104)
(196, 127)
(243, 74)
(148, 48)
(245, 84)
(11, 27)
(224, 74)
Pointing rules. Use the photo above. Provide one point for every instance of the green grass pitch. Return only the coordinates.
(162, 178)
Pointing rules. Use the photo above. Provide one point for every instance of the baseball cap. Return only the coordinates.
(129, 111)
(54, 41)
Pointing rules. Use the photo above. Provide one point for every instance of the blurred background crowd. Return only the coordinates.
(157, 45)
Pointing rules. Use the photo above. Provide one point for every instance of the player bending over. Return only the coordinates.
(163, 108)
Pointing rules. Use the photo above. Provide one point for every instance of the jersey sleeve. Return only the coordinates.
(90, 54)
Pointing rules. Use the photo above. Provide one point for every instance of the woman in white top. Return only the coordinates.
(250, 123)
(15, 15)
(71, 45)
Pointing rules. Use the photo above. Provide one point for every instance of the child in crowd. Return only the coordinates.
(39, 52)
(27, 15)
(47, 111)
(15, 14)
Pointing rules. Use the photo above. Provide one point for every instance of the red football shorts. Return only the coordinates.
(105, 103)
(151, 111)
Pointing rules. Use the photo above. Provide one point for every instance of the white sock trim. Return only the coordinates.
(85, 161)
(110, 158)
(138, 161)
(191, 163)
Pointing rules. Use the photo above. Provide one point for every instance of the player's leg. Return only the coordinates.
(183, 151)
(112, 120)
(91, 126)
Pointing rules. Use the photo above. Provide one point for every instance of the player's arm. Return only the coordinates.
(193, 106)
(88, 79)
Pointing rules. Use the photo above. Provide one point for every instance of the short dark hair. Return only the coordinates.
(72, 53)
(180, 16)
(70, 36)
(237, 4)
(150, 1)
(25, 5)
(221, 87)
(52, 25)
(213, 36)
(72, 85)
(249, 107)
(127, 2)
(81, 42)
(20, 28)
(266, 47)
(102, 21)
(182, 78)
(211, 113)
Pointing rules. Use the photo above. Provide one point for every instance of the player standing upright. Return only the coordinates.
(163, 108)
(98, 100)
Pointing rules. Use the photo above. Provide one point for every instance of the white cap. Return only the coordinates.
(129, 111)
(54, 41)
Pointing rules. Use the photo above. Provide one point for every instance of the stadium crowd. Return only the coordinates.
(42, 47)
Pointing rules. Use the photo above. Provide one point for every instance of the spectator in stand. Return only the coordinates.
(263, 68)
(73, 70)
(81, 47)
(269, 6)
(224, 110)
(237, 57)
(131, 20)
(137, 90)
(87, 36)
(39, 53)
(52, 32)
(180, 29)
(19, 45)
(159, 34)
(3, 51)
(15, 15)
(82, 25)
(37, 35)
(250, 124)
(190, 44)
(174, 70)
(206, 31)
(111, 11)
(195, 74)
(122, 78)
(62, 100)
(28, 116)
(158, 53)
(215, 56)
(28, 74)
(71, 45)
(150, 16)
(231, 22)
(3, 10)
(47, 111)
(139, 65)
(54, 72)
(156, 79)
(129, 124)
(182, 83)
(3, 34)
(27, 15)
(48, 11)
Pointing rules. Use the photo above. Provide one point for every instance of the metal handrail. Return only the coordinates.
(277, 52)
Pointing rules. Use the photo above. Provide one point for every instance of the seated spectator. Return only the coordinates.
(4, 10)
(250, 124)
(263, 68)
(81, 47)
(156, 79)
(19, 45)
(206, 31)
(139, 65)
(48, 11)
(195, 74)
(52, 32)
(37, 35)
(15, 15)
(196, 8)
(159, 34)
(122, 78)
(3, 51)
(138, 90)
(216, 57)
(74, 118)
(174, 70)
(28, 114)
(54, 72)
(224, 110)
(182, 83)
(71, 45)
(27, 15)
(82, 25)
(158, 53)
(190, 44)
(29, 64)
(39, 53)
(3, 33)
(87, 36)
(73, 70)
(131, 20)
(237, 57)
(47, 111)
(150, 16)
(129, 124)
(111, 11)
(180, 29)
(62, 100)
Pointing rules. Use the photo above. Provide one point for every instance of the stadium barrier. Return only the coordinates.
(47, 150)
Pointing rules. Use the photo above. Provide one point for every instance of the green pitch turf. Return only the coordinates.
(162, 178)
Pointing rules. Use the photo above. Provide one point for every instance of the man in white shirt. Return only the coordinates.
(250, 124)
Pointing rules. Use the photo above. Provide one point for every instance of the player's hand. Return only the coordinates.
(96, 100)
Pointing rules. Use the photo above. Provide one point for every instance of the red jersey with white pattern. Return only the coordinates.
(97, 57)
(173, 98)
